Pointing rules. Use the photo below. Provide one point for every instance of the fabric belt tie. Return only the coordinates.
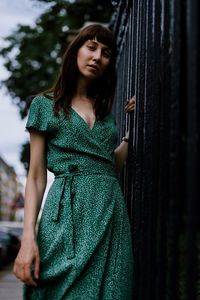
(65, 187)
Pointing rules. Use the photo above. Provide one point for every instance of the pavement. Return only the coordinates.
(10, 286)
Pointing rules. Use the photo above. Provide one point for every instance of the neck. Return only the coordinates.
(82, 86)
(80, 94)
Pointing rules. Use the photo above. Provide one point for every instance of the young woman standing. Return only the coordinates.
(83, 248)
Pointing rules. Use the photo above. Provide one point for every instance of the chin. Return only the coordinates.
(92, 76)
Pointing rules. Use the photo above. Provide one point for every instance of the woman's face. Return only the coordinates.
(93, 58)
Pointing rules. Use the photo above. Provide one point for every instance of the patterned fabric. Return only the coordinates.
(84, 233)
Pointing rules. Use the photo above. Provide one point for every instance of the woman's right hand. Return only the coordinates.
(28, 255)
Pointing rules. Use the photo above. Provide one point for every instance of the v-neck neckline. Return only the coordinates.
(90, 129)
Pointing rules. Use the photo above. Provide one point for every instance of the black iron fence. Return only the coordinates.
(158, 62)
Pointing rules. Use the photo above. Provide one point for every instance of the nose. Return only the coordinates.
(97, 55)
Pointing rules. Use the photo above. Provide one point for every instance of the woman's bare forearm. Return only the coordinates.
(36, 183)
(28, 254)
(34, 192)
(121, 154)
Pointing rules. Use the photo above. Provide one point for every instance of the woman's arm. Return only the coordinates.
(35, 187)
(36, 182)
(121, 153)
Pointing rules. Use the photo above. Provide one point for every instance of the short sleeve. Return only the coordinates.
(38, 116)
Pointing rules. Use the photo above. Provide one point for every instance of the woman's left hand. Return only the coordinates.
(130, 105)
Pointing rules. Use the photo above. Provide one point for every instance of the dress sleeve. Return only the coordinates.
(38, 114)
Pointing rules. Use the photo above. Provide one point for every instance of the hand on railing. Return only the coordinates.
(130, 105)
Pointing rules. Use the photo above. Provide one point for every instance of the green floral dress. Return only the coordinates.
(84, 233)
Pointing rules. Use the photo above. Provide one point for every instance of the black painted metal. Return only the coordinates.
(158, 62)
(192, 151)
(174, 151)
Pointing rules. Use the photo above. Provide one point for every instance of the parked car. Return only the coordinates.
(3, 253)
(10, 244)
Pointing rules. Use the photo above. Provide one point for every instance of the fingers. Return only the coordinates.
(27, 276)
(127, 134)
(130, 105)
(36, 267)
(22, 270)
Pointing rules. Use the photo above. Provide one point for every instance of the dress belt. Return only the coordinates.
(65, 186)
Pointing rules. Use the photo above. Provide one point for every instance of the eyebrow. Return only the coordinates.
(105, 48)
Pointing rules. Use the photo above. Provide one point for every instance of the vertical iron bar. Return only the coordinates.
(163, 179)
(137, 152)
(192, 140)
(173, 287)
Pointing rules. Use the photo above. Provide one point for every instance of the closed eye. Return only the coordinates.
(91, 47)
(106, 54)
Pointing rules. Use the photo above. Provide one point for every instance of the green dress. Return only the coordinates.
(84, 233)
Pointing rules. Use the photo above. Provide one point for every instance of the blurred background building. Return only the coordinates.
(11, 194)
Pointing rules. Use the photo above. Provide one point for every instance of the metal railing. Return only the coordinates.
(158, 63)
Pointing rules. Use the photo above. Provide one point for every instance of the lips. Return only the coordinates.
(95, 67)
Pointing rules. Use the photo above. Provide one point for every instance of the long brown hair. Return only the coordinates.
(101, 89)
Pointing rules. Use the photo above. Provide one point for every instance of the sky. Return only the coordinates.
(12, 128)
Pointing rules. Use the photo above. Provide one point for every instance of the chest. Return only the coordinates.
(82, 129)
(87, 115)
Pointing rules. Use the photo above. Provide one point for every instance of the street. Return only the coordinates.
(10, 286)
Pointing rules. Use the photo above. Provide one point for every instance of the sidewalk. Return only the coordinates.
(10, 286)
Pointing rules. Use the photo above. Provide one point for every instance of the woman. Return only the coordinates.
(83, 246)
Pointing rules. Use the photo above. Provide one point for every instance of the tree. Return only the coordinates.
(33, 54)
